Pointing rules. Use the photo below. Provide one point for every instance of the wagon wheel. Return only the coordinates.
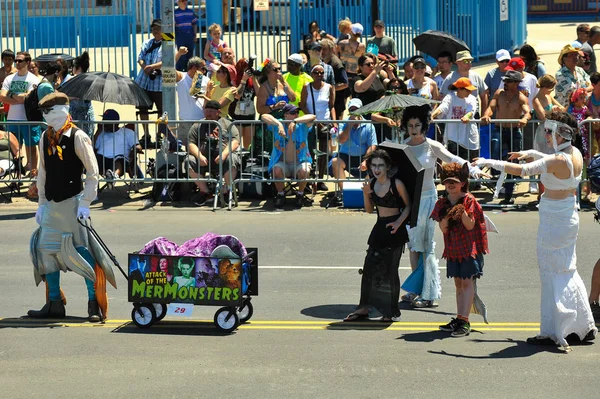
(161, 310)
(246, 311)
(226, 319)
(143, 315)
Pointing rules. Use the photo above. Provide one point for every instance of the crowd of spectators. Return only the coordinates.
(327, 79)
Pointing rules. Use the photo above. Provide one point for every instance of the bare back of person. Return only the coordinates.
(509, 106)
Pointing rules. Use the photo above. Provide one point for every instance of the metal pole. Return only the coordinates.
(168, 59)
(214, 15)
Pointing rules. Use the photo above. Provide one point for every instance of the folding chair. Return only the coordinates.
(12, 170)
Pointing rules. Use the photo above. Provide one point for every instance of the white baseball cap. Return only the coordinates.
(502, 55)
(354, 103)
(357, 29)
(297, 58)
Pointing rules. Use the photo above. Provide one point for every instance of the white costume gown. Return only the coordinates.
(564, 305)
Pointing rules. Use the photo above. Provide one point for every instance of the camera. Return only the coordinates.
(154, 74)
(323, 34)
(251, 62)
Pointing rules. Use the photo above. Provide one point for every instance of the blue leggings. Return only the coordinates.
(53, 279)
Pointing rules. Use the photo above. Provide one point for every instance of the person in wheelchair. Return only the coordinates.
(9, 151)
(115, 147)
(290, 157)
(356, 140)
(209, 146)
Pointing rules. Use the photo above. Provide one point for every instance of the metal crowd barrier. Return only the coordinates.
(151, 165)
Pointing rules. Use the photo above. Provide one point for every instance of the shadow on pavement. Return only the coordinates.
(424, 336)
(367, 325)
(28, 322)
(334, 311)
(519, 349)
(199, 328)
(18, 216)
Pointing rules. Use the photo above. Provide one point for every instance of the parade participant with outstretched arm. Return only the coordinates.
(565, 310)
(61, 243)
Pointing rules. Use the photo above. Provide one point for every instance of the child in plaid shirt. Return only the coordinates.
(462, 221)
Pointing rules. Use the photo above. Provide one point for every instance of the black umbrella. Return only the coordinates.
(106, 87)
(434, 42)
(410, 172)
(392, 102)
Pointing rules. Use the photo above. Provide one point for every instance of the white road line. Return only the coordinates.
(326, 267)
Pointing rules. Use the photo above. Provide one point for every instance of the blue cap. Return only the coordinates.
(110, 115)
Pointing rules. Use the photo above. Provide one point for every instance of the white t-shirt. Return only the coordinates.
(465, 134)
(120, 142)
(190, 108)
(19, 84)
(529, 83)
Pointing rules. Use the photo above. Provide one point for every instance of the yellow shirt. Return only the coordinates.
(227, 93)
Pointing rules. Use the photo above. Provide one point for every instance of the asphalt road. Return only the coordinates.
(295, 345)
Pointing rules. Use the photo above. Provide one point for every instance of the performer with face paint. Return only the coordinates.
(61, 243)
(380, 285)
(565, 310)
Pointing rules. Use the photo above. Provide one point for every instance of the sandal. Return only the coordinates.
(356, 317)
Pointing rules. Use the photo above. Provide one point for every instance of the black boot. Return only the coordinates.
(94, 311)
(52, 309)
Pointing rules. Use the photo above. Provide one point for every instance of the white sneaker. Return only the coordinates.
(533, 188)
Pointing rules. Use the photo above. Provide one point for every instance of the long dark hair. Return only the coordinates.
(265, 72)
(240, 68)
(530, 57)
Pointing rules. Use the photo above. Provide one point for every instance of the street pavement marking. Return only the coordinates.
(275, 325)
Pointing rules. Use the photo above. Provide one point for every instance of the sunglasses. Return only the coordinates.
(369, 64)
(504, 61)
(467, 61)
(19, 61)
(418, 67)
(318, 73)
(46, 111)
(276, 69)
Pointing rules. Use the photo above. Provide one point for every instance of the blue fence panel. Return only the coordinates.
(104, 31)
(41, 33)
(403, 21)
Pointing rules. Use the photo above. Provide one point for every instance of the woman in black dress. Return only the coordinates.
(380, 285)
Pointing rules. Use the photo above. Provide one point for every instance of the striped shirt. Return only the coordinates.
(184, 22)
(149, 58)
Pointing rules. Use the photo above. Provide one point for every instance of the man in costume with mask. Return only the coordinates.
(565, 311)
(62, 243)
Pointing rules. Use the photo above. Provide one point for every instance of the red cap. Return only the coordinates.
(516, 64)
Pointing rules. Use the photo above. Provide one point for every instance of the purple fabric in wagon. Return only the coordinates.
(200, 246)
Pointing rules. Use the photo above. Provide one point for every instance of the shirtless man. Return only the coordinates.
(290, 157)
(349, 50)
(508, 103)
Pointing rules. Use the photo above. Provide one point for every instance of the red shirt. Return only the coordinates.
(460, 243)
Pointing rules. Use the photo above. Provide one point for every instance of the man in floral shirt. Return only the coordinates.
(570, 77)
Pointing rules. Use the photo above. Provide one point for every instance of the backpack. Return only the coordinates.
(31, 104)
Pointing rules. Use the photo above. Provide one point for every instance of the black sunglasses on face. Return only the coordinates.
(319, 73)
(18, 61)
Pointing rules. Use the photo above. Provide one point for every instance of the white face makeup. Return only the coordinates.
(414, 127)
(378, 167)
